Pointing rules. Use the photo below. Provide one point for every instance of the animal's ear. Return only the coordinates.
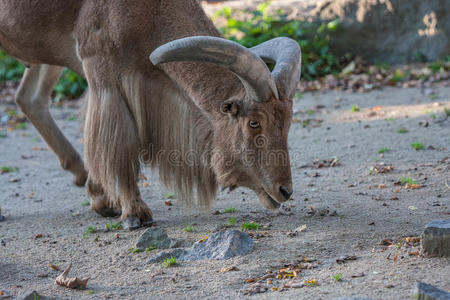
(230, 107)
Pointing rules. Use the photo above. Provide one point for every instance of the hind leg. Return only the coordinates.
(33, 97)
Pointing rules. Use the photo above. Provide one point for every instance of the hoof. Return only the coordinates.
(108, 212)
(133, 222)
(80, 180)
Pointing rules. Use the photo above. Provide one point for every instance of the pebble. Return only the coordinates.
(32, 296)
(425, 291)
(221, 245)
(436, 238)
(154, 237)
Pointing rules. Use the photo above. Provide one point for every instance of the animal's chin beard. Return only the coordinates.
(267, 201)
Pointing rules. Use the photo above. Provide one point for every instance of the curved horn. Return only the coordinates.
(249, 67)
(286, 54)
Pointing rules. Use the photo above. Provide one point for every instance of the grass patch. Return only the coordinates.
(113, 226)
(384, 150)
(434, 96)
(355, 108)
(310, 112)
(230, 210)
(232, 221)
(86, 203)
(21, 126)
(402, 130)
(389, 119)
(250, 226)
(6, 169)
(71, 118)
(417, 146)
(337, 277)
(170, 262)
(135, 250)
(89, 231)
(151, 248)
(169, 195)
(188, 228)
(407, 180)
(447, 112)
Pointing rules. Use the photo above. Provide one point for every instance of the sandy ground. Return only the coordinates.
(44, 201)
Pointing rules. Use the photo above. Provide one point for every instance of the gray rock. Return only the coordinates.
(155, 237)
(32, 296)
(221, 245)
(394, 31)
(436, 238)
(428, 292)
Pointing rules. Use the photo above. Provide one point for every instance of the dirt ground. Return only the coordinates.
(348, 209)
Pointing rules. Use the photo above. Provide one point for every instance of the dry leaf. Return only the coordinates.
(301, 228)
(54, 267)
(168, 203)
(145, 184)
(250, 280)
(70, 282)
(359, 275)
(229, 269)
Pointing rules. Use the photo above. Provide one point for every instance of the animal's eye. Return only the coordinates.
(253, 124)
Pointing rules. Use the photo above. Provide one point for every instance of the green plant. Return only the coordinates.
(170, 262)
(113, 226)
(417, 146)
(250, 226)
(90, 230)
(10, 69)
(188, 228)
(232, 221)
(86, 203)
(169, 195)
(355, 108)
(337, 276)
(259, 26)
(70, 85)
(6, 169)
(407, 180)
(135, 250)
(398, 76)
(447, 112)
(151, 248)
(434, 96)
(402, 130)
(21, 125)
(230, 210)
(384, 150)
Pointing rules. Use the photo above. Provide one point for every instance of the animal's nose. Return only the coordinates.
(286, 192)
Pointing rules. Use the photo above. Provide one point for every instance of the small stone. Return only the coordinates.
(436, 238)
(221, 245)
(31, 296)
(425, 291)
(154, 237)
(2, 218)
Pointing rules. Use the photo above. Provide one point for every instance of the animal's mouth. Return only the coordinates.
(268, 201)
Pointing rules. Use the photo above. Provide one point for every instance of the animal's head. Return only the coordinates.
(250, 128)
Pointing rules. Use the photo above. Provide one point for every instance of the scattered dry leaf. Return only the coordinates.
(54, 267)
(70, 282)
(301, 228)
(359, 275)
(145, 184)
(38, 236)
(168, 203)
(229, 269)
(250, 280)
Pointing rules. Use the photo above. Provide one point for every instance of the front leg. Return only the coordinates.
(112, 147)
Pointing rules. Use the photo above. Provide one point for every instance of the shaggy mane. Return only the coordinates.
(175, 136)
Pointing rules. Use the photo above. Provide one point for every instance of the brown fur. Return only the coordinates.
(139, 113)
